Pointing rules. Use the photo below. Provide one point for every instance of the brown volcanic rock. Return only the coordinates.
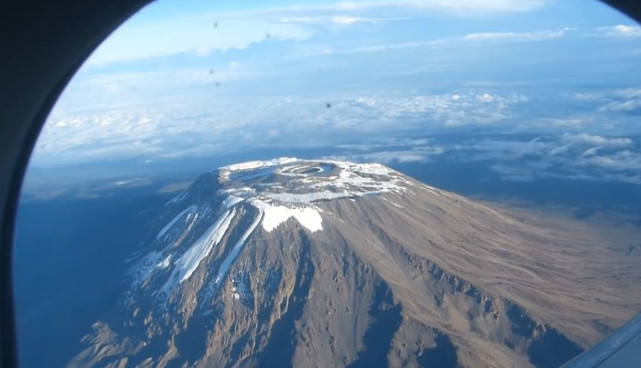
(324, 263)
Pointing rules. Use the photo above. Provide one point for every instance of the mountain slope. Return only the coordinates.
(330, 263)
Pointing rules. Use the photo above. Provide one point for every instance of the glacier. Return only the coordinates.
(190, 260)
(189, 211)
(224, 267)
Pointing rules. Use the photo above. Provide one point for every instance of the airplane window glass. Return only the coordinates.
(366, 183)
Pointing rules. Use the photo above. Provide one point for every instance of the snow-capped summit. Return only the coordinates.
(290, 187)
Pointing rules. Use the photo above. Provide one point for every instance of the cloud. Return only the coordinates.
(517, 36)
(625, 100)
(590, 151)
(620, 161)
(595, 140)
(442, 110)
(621, 31)
(502, 150)
(351, 20)
(568, 156)
(341, 20)
(587, 96)
(483, 98)
(383, 157)
(629, 93)
(394, 150)
(622, 106)
(467, 7)
(530, 171)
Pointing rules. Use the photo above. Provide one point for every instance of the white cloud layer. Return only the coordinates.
(184, 128)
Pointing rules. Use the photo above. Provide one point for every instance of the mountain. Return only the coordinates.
(331, 263)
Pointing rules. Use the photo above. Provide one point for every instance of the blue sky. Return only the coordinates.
(554, 83)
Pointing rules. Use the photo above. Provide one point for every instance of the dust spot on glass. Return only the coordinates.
(215, 24)
(211, 71)
(268, 36)
(328, 105)
(217, 84)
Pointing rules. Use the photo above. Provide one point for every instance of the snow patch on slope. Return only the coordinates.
(189, 210)
(232, 200)
(275, 215)
(224, 267)
(182, 195)
(189, 261)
